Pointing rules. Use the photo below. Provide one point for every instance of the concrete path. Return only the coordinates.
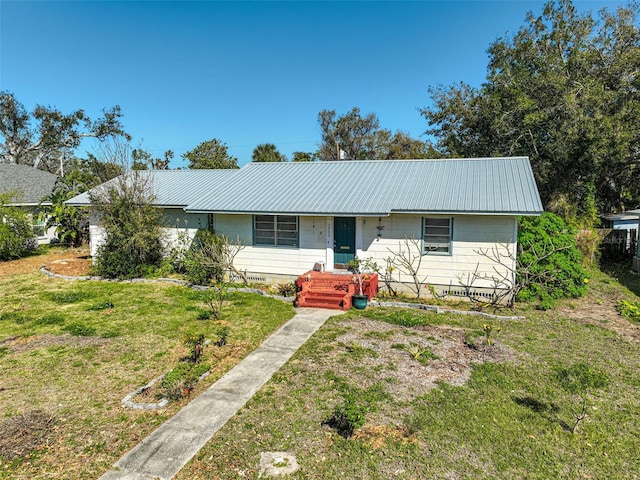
(163, 453)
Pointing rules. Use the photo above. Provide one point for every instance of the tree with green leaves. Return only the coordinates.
(304, 157)
(144, 160)
(354, 137)
(46, 137)
(347, 137)
(132, 226)
(210, 154)
(267, 152)
(71, 223)
(564, 91)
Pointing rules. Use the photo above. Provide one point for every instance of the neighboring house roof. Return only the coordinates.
(629, 215)
(173, 188)
(32, 185)
(377, 188)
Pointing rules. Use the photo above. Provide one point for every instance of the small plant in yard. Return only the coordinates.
(196, 345)
(287, 289)
(180, 380)
(629, 310)
(488, 330)
(580, 380)
(222, 333)
(214, 297)
(420, 354)
(348, 416)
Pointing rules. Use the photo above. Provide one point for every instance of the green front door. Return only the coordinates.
(344, 245)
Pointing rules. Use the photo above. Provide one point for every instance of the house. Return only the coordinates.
(174, 190)
(451, 214)
(620, 234)
(635, 261)
(32, 186)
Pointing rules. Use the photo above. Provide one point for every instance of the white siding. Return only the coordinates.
(177, 223)
(275, 260)
(470, 235)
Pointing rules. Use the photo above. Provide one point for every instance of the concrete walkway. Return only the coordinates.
(163, 453)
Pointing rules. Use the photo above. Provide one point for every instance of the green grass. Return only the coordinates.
(62, 353)
(511, 420)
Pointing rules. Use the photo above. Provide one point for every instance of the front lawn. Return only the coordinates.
(441, 403)
(71, 350)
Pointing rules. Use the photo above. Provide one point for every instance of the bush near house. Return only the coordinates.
(549, 262)
(15, 229)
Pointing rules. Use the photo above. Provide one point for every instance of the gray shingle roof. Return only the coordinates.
(174, 188)
(31, 184)
(378, 188)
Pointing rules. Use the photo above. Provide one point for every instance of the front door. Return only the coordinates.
(344, 245)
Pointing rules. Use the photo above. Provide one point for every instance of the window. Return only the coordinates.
(38, 224)
(437, 234)
(275, 230)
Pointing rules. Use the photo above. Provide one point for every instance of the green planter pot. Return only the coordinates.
(359, 301)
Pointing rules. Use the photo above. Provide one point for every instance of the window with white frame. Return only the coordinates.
(437, 234)
(275, 230)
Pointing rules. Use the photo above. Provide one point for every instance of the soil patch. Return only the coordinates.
(24, 344)
(26, 433)
(603, 314)
(72, 262)
(383, 352)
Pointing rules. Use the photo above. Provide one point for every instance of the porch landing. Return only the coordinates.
(333, 289)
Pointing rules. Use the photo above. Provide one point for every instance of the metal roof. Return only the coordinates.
(32, 185)
(378, 188)
(174, 188)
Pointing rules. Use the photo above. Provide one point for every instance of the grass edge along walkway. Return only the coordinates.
(163, 453)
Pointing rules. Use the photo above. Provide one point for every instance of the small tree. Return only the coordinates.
(132, 225)
(71, 223)
(15, 229)
(407, 260)
(580, 380)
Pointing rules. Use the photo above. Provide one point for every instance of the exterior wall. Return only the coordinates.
(448, 271)
(471, 234)
(271, 264)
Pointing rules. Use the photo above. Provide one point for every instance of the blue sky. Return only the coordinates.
(248, 72)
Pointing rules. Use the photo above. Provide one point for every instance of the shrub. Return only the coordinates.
(198, 269)
(348, 416)
(629, 310)
(549, 263)
(287, 289)
(133, 239)
(580, 380)
(15, 230)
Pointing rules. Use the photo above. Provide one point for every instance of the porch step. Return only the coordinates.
(327, 290)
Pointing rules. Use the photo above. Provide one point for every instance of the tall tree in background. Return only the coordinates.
(354, 137)
(564, 91)
(267, 152)
(304, 157)
(143, 160)
(46, 137)
(348, 137)
(210, 154)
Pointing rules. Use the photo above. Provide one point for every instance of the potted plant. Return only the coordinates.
(359, 300)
